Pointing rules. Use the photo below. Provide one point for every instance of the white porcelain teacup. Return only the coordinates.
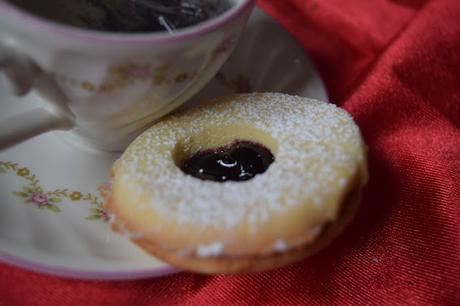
(107, 87)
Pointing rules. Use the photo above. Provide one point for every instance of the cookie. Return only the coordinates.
(243, 183)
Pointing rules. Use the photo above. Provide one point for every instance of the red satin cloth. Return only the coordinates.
(395, 65)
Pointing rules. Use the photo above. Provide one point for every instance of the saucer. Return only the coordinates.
(51, 194)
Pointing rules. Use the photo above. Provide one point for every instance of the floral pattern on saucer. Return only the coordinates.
(32, 193)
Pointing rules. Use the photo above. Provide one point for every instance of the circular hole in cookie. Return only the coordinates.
(238, 161)
(230, 153)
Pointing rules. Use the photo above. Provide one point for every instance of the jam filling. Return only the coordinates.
(239, 161)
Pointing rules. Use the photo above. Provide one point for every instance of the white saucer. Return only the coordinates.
(66, 234)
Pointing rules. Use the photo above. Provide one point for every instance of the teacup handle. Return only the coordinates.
(21, 75)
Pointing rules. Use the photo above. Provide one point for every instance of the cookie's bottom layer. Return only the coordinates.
(227, 264)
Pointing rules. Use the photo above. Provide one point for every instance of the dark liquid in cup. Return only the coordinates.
(126, 15)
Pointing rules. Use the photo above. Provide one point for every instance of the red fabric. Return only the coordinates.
(395, 65)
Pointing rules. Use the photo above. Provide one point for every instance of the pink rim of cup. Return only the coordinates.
(239, 8)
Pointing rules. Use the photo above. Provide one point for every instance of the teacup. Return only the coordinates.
(105, 87)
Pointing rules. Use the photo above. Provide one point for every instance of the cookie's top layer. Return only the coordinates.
(318, 151)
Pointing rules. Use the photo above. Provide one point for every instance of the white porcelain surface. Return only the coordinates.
(50, 206)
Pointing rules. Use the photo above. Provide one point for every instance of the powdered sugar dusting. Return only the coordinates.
(280, 245)
(212, 249)
(318, 150)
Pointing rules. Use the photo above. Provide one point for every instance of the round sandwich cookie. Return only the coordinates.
(243, 183)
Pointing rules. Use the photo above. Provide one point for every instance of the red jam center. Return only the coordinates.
(240, 161)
